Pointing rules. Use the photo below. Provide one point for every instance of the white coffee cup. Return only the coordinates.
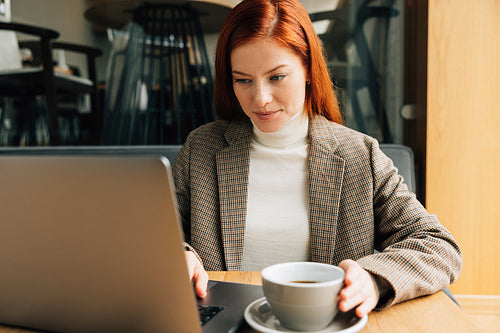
(303, 295)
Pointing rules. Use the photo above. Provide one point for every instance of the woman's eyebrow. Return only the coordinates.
(270, 71)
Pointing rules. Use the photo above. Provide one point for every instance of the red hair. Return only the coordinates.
(286, 22)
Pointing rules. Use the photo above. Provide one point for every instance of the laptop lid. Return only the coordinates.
(93, 244)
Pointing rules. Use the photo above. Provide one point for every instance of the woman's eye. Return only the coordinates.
(277, 77)
(241, 81)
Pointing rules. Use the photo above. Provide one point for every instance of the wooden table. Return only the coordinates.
(435, 313)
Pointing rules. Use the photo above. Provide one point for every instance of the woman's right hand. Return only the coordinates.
(197, 274)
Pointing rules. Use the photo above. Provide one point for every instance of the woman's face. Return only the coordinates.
(269, 81)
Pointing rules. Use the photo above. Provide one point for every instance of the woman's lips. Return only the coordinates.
(265, 115)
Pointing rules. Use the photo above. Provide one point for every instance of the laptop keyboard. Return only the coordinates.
(207, 312)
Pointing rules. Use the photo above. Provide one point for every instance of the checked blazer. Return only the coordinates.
(358, 204)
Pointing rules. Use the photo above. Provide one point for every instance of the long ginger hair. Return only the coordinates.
(288, 23)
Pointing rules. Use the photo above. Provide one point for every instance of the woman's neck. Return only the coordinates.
(293, 132)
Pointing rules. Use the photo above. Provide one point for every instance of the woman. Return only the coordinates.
(278, 178)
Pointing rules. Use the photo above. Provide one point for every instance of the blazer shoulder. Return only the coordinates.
(344, 141)
(210, 134)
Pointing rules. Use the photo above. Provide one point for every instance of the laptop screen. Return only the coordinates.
(92, 244)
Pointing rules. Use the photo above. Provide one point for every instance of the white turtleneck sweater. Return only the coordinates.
(277, 224)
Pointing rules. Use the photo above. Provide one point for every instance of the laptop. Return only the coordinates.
(94, 244)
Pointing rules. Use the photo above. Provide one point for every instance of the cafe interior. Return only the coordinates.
(418, 75)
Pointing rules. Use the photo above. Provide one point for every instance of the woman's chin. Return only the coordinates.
(268, 125)
(269, 128)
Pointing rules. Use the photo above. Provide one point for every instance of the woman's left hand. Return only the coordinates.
(359, 289)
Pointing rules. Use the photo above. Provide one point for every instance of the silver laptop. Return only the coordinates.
(93, 244)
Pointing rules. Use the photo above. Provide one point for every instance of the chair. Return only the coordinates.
(159, 84)
(168, 151)
(41, 79)
(403, 159)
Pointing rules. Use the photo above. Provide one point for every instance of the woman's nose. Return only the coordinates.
(262, 95)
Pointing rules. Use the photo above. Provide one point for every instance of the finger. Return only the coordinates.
(197, 274)
(347, 296)
(357, 291)
(351, 296)
(353, 275)
(351, 272)
(355, 287)
(364, 298)
(201, 282)
(191, 264)
(352, 301)
(366, 307)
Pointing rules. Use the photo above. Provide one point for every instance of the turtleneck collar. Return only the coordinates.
(293, 132)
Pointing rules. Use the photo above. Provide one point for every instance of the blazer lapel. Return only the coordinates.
(326, 172)
(232, 172)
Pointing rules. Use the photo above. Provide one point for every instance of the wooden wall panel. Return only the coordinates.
(463, 134)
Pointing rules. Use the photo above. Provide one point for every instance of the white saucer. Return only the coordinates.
(259, 316)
